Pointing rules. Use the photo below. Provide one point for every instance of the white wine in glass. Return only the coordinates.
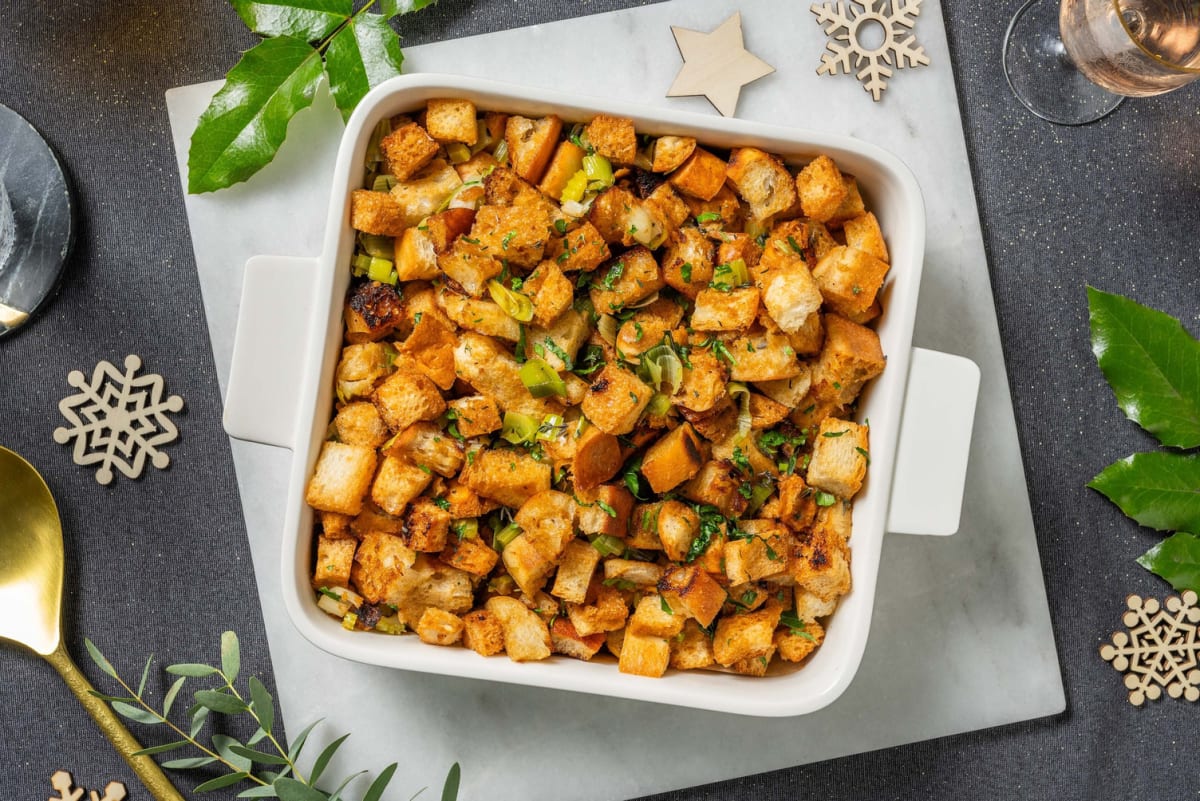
(1073, 61)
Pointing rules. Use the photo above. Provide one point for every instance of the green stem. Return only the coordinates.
(325, 42)
(271, 737)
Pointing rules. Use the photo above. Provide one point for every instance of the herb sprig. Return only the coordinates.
(278, 774)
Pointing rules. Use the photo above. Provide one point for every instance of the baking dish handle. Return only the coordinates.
(277, 299)
(935, 440)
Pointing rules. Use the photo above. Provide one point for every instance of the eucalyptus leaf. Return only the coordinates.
(221, 781)
(323, 758)
(188, 763)
(309, 20)
(301, 739)
(135, 713)
(1158, 489)
(291, 790)
(264, 705)
(336, 794)
(244, 125)
(360, 56)
(231, 656)
(375, 791)
(198, 714)
(98, 658)
(394, 8)
(111, 698)
(450, 788)
(224, 745)
(192, 670)
(172, 693)
(145, 675)
(257, 756)
(1152, 364)
(258, 736)
(1176, 559)
(221, 702)
(160, 749)
(263, 791)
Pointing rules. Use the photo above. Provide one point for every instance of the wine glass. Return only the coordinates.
(1073, 61)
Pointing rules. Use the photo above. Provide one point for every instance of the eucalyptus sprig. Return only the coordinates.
(1153, 367)
(349, 42)
(277, 774)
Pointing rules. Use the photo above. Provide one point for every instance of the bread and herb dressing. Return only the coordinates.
(596, 394)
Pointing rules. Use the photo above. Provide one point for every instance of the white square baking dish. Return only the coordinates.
(289, 338)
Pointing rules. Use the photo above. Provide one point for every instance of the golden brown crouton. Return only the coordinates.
(794, 644)
(671, 151)
(643, 574)
(515, 234)
(511, 477)
(692, 591)
(701, 176)
(610, 214)
(791, 295)
(754, 666)
(575, 571)
(703, 383)
(851, 356)
(337, 526)
(646, 328)
(335, 557)
(482, 633)
(526, 564)
(604, 509)
(372, 312)
(406, 397)
(839, 457)
(820, 564)
(668, 208)
(478, 315)
(849, 280)
(852, 206)
(606, 613)
(379, 563)
(437, 627)
(691, 649)
(492, 370)
(797, 506)
(746, 636)
(563, 338)
(732, 310)
(821, 187)
(531, 143)
(762, 553)
(359, 423)
(526, 637)
(808, 340)
(580, 249)
(376, 213)
(341, 478)
(788, 391)
(567, 160)
(451, 120)
(673, 459)
(765, 413)
(613, 641)
(372, 518)
(654, 617)
(597, 457)
(548, 520)
(406, 150)
(470, 265)
(718, 215)
(643, 655)
(475, 415)
(678, 527)
(398, 482)
(762, 354)
(564, 639)
(422, 195)
(612, 137)
(471, 555)
(762, 181)
(863, 233)
(615, 400)
(551, 292)
(431, 346)
(632, 276)
(716, 484)
(688, 261)
(427, 525)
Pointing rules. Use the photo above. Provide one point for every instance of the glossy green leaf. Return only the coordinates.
(264, 705)
(161, 749)
(1176, 559)
(1158, 489)
(244, 125)
(224, 703)
(98, 658)
(191, 669)
(309, 20)
(360, 56)
(323, 758)
(394, 8)
(135, 713)
(292, 790)
(1152, 364)
(188, 763)
(257, 756)
(221, 781)
(375, 791)
(169, 698)
(450, 788)
(231, 656)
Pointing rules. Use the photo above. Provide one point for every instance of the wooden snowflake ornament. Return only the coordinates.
(61, 781)
(118, 419)
(1160, 650)
(874, 33)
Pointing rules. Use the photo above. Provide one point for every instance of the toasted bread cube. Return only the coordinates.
(791, 295)
(704, 383)
(359, 423)
(511, 477)
(795, 644)
(701, 176)
(464, 503)
(863, 233)
(835, 522)
(372, 312)
(470, 556)
(719, 215)
(613, 641)
(405, 397)
(821, 564)
(437, 627)
(740, 246)
(341, 478)
(567, 160)
(688, 261)
(475, 415)
(470, 265)
(615, 400)
(493, 371)
(643, 655)
(851, 356)
(564, 639)
(334, 560)
(716, 484)
(531, 143)
(673, 459)
(478, 315)
(668, 208)
(797, 504)
(762, 354)
(526, 637)
(734, 310)
(716, 425)
(849, 280)
(421, 302)
(337, 526)
(398, 482)
(548, 520)
(822, 188)
(582, 249)
(607, 612)
(427, 525)
(654, 617)
(631, 277)
(379, 564)
(610, 214)
(406, 150)
(597, 458)
(747, 636)
(762, 181)
(839, 457)
(551, 293)
(763, 555)
(765, 412)
(613, 137)
(811, 607)
(431, 346)
(643, 528)
(526, 564)
(671, 151)
(482, 633)
(852, 206)
(446, 226)
(691, 591)
(691, 649)
(565, 336)
(516, 234)
(451, 120)
(678, 527)
(643, 574)
(575, 572)
(605, 508)
(811, 336)
(372, 518)
(754, 666)
(423, 194)
(646, 328)
(376, 213)
(430, 582)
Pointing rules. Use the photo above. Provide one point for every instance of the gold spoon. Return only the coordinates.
(31, 579)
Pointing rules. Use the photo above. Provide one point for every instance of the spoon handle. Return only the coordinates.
(145, 767)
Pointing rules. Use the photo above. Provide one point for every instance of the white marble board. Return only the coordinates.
(960, 638)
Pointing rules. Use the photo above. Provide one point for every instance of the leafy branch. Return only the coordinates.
(280, 777)
(304, 42)
(1153, 367)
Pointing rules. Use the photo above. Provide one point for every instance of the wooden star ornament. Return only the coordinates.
(716, 65)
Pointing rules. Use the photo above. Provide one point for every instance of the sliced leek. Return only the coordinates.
(515, 305)
(541, 379)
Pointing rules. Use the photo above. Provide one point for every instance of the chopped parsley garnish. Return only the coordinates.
(795, 625)
(863, 452)
(509, 237)
(832, 434)
(665, 606)
(442, 504)
(792, 242)
(740, 460)
(593, 360)
(711, 521)
(686, 272)
(604, 507)
(614, 275)
(708, 216)
(560, 225)
(554, 348)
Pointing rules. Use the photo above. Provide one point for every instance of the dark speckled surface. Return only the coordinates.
(161, 565)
